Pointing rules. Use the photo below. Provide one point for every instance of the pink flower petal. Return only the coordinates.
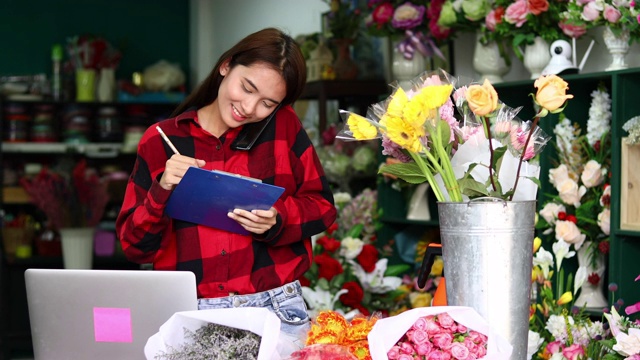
(632, 309)
(638, 278)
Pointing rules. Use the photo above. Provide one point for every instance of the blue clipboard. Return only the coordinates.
(205, 197)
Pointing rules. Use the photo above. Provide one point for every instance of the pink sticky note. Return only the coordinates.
(112, 324)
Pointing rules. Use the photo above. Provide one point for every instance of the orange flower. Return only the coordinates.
(482, 99)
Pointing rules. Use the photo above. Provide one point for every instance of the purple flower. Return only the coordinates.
(408, 16)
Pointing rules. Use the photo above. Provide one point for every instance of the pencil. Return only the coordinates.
(166, 139)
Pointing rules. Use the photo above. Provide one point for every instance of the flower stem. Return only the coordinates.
(524, 151)
(430, 178)
(485, 121)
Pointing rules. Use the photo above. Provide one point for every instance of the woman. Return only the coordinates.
(263, 73)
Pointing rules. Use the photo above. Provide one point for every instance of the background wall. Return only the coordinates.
(145, 31)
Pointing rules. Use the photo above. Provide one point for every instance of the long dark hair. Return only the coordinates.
(270, 46)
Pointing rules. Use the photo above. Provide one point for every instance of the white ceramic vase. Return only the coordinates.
(106, 89)
(77, 247)
(488, 62)
(618, 47)
(591, 295)
(536, 57)
(404, 70)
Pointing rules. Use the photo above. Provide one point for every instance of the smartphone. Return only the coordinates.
(251, 132)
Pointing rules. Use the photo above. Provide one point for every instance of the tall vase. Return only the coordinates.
(77, 247)
(106, 85)
(404, 70)
(536, 57)
(344, 66)
(592, 295)
(618, 46)
(488, 62)
(487, 249)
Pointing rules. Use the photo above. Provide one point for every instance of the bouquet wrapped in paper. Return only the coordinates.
(175, 333)
(438, 332)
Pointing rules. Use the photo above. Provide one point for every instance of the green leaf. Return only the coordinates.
(397, 269)
(409, 172)
(355, 231)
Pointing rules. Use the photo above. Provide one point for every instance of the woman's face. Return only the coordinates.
(249, 94)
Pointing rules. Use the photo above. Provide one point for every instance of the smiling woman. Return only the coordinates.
(261, 75)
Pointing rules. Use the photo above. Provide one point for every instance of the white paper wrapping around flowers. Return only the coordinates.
(476, 151)
(260, 321)
(386, 332)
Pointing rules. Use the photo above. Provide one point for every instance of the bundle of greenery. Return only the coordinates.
(214, 341)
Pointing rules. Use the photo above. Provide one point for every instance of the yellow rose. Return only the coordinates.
(420, 299)
(552, 92)
(482, 99)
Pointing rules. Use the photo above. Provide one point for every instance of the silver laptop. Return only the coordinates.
(102, 314)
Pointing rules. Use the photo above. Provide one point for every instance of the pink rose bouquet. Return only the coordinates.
(439, 332)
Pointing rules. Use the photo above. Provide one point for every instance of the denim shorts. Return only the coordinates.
(285, 301)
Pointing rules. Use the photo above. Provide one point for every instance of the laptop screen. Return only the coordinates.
(102, 314)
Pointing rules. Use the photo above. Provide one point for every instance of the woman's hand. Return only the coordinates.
(255, 221)
(175, 168)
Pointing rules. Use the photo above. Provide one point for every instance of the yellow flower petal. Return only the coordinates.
(536, 244)
(404, 134)
(398, 101)
(565, 298)
(361, 128)
(434, 96)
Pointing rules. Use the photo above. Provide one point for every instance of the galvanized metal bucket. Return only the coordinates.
(487, 249)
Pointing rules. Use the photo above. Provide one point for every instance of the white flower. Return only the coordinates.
(599, 116)
(632, 126)
(350, 247)
(604, 221)
(592, 174)
(558, 175)
(533, 344)
(561, 249)
(564, 135)
(341, 198)
(544, 260)
(581, 277)
(570, 192)
(319, 299)
(628, 344)
(556, 326)
(550, 212)
(375, 281)
(569, 232)
(614, 320)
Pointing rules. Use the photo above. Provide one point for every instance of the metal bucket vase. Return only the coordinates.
(487, 249)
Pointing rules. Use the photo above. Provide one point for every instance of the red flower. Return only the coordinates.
(354, 297)
(329, 244)
(382, 14)
(328, 267)
(604, 247)
(304, 281)
(332, 228)
(593, 278)
(368, 257)
(572, 218)
(562, 215)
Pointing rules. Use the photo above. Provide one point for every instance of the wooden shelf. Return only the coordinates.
(361, 93)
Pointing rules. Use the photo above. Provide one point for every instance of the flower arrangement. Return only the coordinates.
(485, 153)
(215, 341)
(465, 15)
(412, 23)
(521, 21)
(560, 330)
(343, 19)
(78, 200)
(580, 212)
(90, 52)
(348, 273)
(439, 337)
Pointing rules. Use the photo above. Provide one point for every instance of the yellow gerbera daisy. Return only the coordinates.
(398, 101)
(404, 134)
(434, 96)
(361, 127)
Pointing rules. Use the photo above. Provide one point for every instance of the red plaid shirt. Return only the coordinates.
(225, 262)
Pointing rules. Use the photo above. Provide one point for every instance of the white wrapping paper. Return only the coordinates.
(260, 321)
(386, 332)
